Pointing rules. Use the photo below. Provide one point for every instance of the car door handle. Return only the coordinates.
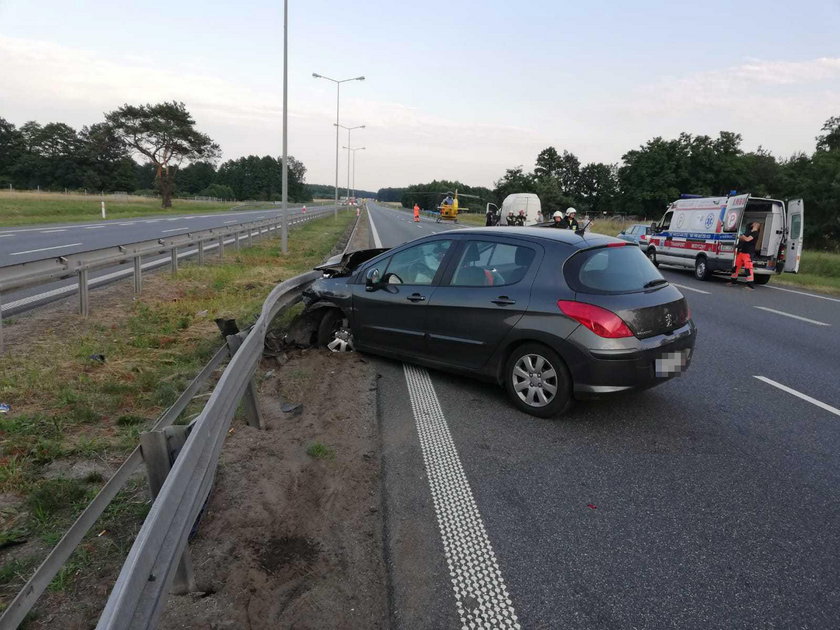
(503, 300)
(416, 297)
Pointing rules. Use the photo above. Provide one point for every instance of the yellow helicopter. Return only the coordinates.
(448, 205)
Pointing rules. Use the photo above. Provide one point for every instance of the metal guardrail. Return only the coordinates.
(158, 553)
(80, 264)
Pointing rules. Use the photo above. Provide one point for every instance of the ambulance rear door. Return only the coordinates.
(795, 225)
(735, 207)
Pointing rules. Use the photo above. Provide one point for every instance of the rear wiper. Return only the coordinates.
(656, 282)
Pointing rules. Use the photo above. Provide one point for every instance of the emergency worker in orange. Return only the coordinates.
(416, 213)
(743, 257)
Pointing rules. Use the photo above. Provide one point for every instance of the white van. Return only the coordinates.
(529, 202)
(701, 233)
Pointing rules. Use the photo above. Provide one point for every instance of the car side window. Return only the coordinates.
(666, 220)
(489, 264)
(418, 264)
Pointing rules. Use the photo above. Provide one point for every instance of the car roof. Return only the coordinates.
(568, 237)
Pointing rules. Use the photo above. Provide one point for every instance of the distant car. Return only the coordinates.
(631, 234)
(548, 314)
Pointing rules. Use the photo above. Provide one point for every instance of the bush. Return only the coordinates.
(218, 190)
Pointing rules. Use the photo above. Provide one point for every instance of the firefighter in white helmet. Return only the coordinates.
(571, 219)
(559, 221)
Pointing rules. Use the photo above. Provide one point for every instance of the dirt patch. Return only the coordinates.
(291, 539)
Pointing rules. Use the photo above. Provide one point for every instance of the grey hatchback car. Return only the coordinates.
(551, 315)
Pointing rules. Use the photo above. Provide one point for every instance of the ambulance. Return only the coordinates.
(701, 233)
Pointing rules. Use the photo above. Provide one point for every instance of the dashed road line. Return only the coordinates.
(792, 316)
(94, 227)
(175, 229)
(53, 231)
(805, 397)
(43, 249)
(813, 295)
(688, 288)
(2, 235)
(481, 597)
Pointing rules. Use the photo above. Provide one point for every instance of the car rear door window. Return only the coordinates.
(612, 270)
(418, 264)
(487, 263)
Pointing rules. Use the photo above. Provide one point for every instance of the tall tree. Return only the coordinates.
(166, 135)
(830, 140)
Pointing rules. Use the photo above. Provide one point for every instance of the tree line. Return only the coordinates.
(659, 171)
(174, 158)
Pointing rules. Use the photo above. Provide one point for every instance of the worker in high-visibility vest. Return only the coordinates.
(416, 213)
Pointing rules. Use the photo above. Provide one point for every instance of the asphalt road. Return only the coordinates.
(25, 244)
(710, 501)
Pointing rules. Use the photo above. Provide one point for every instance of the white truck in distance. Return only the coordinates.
(529, 202)
(701, 233)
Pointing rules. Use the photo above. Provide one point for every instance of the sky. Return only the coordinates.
(453, 90)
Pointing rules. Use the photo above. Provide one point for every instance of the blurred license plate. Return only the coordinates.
(672, 363)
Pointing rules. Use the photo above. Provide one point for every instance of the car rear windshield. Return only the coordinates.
(622, 269)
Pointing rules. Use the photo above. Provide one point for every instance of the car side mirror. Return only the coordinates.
(372, 279)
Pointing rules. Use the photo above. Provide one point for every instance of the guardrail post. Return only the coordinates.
(84, 299)
(174, 255)
(138, 275)
(236, 240)
(221, 247)
(1, 324)
(249, 398)
(248, 236)
(158, 448)
(200, 252)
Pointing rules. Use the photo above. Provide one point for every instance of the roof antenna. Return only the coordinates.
(580, 231)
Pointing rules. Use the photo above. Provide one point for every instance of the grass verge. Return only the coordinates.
(27, 208)
(74, 418)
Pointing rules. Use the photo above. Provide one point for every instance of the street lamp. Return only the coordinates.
(338, 83)
(354, 164)
(349, 129)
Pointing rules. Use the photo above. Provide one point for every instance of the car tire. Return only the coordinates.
(651, 254)
(334, 332)
(761, 278)
(530, 372)
(701, 268)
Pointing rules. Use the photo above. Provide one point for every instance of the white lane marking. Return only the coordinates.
(127, 223)
(231, 221)
(820, 297)
(2, 235)
(377, 242)
(175, 229)
(481, 597)
(787, 389)
(688, 288)
(52, 231)
(43, 249)
(804, 319)
(94, 227)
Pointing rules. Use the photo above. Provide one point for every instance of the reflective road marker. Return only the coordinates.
(480, 594)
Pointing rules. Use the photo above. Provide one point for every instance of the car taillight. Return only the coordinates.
(599, 320)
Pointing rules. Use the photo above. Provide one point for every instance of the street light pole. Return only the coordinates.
(354, 164)
(338, 83)
(349, 129)
(284, 239)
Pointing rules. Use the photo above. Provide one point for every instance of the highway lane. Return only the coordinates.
(23, 244)
(709, 501)
(21, 300)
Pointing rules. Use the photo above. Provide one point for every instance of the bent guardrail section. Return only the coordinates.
(139, 594)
